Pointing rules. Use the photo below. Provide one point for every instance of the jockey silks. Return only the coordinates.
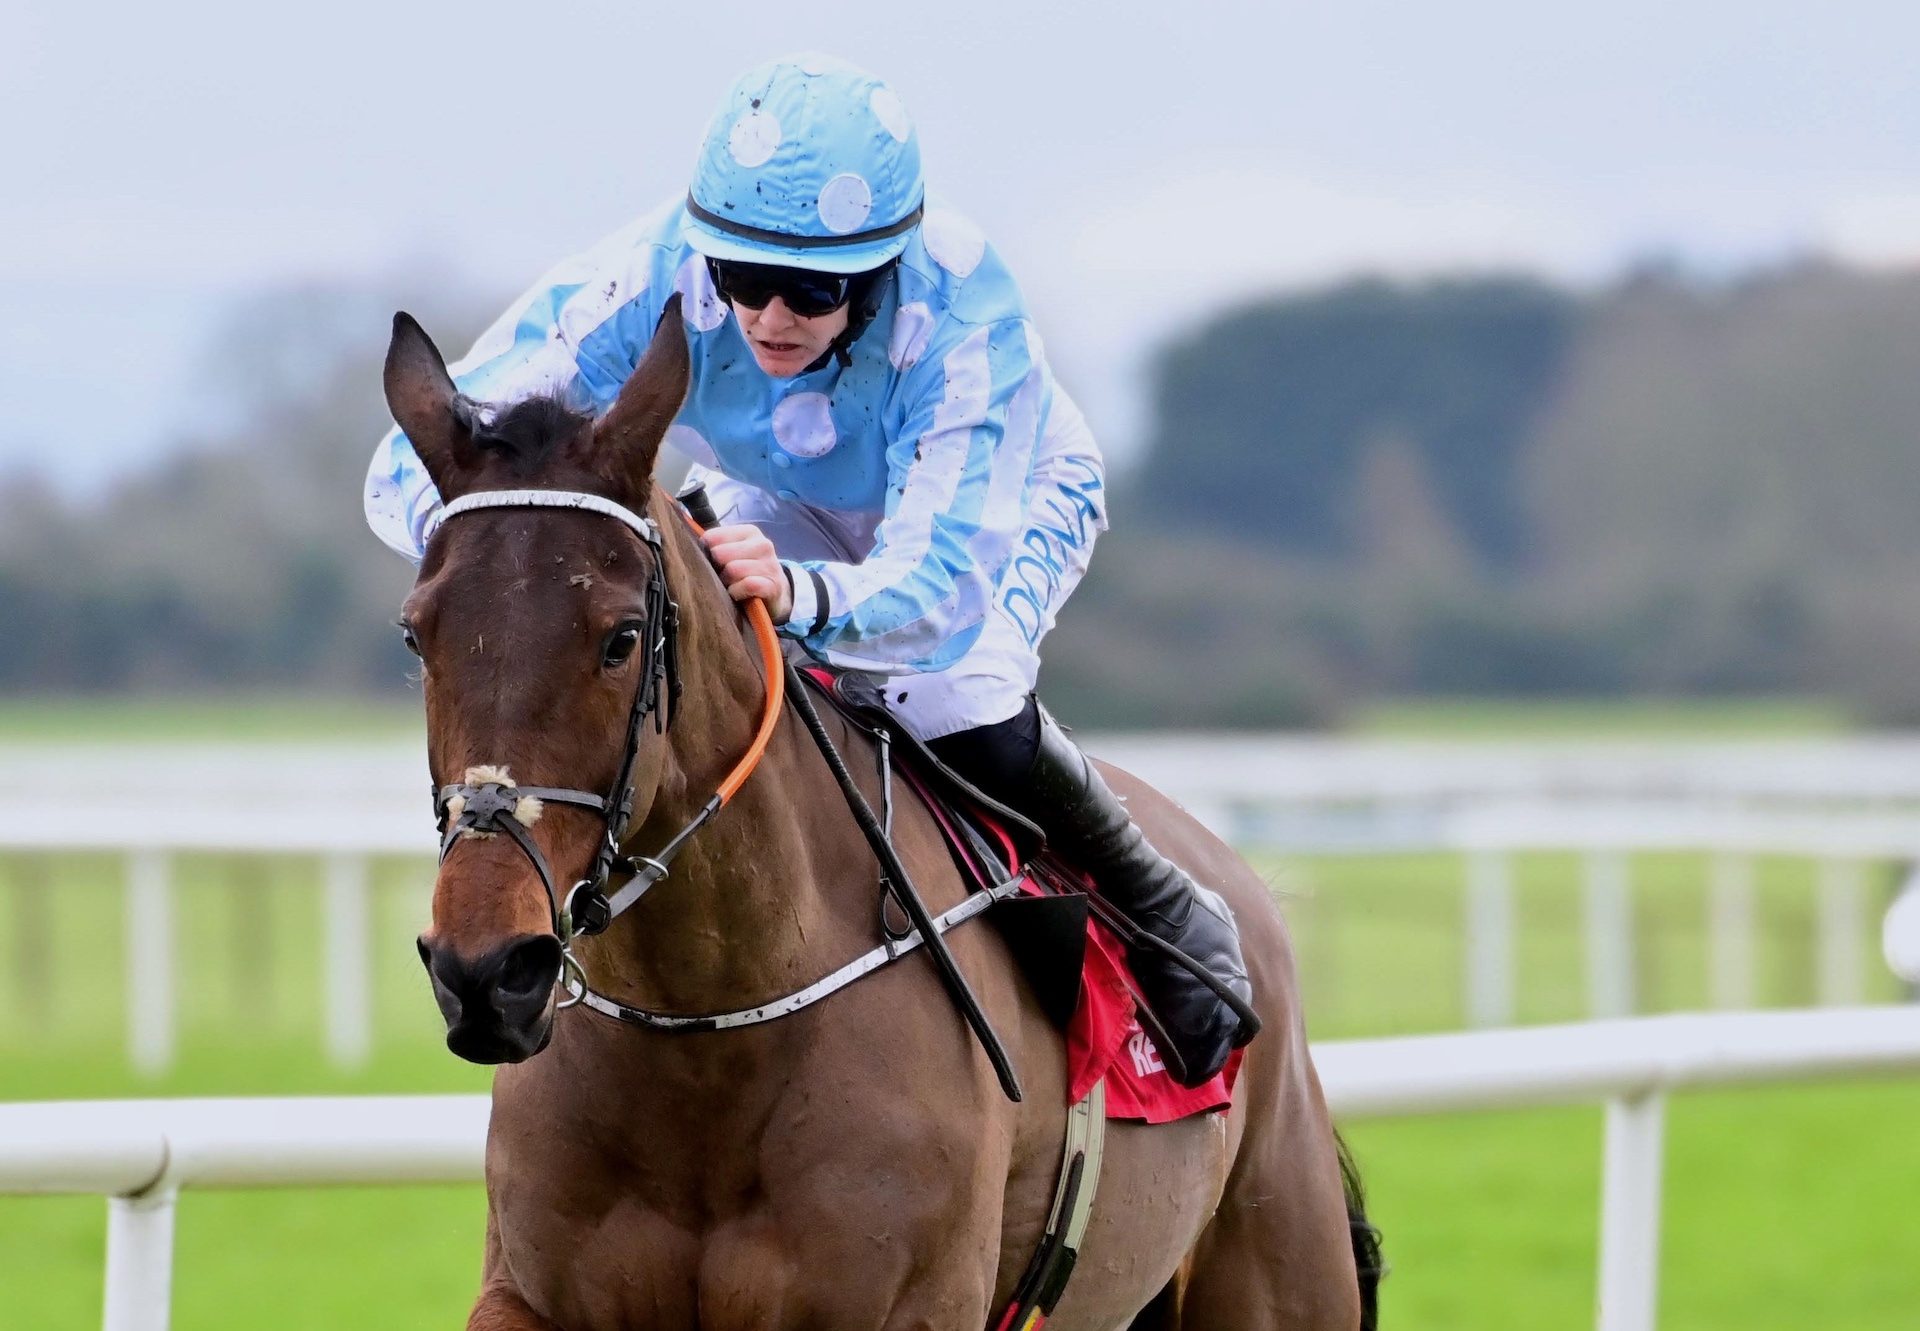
(962, 487)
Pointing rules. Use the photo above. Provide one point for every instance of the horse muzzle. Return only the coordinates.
(498, 1005)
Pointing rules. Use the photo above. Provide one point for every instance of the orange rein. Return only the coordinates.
(775, 666)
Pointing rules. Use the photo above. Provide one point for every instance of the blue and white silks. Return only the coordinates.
(942, 486)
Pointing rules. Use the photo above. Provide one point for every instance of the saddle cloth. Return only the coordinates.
(1077, 967)
(1104, 1035)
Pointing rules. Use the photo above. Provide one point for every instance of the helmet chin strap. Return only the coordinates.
(868, 292)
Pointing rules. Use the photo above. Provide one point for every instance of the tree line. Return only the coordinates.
(1477, 486)
(1667, 488)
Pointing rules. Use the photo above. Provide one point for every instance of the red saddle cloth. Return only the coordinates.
(1105, 1039)
(1104, 1036)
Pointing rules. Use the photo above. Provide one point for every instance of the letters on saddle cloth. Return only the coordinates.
(1077, 969)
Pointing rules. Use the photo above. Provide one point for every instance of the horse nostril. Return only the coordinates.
(448, 981)
(529, 969)
(497, 1005)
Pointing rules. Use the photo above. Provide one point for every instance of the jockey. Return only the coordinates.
(896, 472)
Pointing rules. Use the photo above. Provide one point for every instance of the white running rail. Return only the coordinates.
(1848, 847)
(140, 1153)
(1852, 805)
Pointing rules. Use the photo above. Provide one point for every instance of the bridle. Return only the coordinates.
(493, 805)
(490, 806)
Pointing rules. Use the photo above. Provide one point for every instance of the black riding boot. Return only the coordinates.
(1029, 763)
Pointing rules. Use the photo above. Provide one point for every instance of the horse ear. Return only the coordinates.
(626, 442)
(422, 398)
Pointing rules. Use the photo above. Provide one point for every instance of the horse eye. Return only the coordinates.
(620, 646)
(406, 636)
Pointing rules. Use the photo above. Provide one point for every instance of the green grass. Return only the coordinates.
(223, 719)
(1790, 1207)
(292, 1260)
(280, 718)
(1380, 938)
(1693, 719)
(250, 1022)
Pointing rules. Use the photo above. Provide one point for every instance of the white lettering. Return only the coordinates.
(1146, 1059)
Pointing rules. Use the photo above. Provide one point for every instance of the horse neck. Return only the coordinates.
(741, 914)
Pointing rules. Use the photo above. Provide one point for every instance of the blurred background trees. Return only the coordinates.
(243, 560)
(1668, 487)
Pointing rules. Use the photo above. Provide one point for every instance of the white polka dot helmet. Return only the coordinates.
(810, 163)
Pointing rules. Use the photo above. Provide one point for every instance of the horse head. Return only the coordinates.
(536, 631)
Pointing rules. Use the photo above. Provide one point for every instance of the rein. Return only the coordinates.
(488, 806)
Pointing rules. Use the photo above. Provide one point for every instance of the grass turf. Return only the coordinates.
(1787, 1207)
(266, 718)
(1618, 718)
(270, 718)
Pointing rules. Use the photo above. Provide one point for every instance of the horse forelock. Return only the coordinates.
(530, 432)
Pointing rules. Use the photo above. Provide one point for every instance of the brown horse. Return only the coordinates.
(853, 1166)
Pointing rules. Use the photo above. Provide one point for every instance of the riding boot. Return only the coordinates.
(1087, 823)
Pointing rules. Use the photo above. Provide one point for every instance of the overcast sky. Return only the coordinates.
(1139, 163)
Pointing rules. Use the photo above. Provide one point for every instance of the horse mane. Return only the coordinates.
(528, 432)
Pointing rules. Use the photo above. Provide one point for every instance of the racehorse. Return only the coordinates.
(853, 1165)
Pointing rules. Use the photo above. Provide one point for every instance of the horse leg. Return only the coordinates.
(501, 1309)
(1279, 1253)
(1163, 1314)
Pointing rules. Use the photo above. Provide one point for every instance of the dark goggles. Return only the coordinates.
(754, 285)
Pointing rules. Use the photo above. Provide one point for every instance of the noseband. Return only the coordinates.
(487, 807)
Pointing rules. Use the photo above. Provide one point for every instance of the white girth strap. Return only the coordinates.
(574, 979)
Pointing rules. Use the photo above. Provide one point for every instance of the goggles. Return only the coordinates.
(754, 285)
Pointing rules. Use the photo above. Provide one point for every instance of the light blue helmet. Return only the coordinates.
(810, 163)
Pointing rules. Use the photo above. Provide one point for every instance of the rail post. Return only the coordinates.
(1841, 912)
(1609, 923)
(349, 977)
(150, 1018)
(1730, 932)
(32, 911)
(1630, 1212)
(1489, 949)
(139, 1295)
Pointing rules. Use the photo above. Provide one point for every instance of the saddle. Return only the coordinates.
(1074, 963)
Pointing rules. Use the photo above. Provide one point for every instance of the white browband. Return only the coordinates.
(575, 499)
